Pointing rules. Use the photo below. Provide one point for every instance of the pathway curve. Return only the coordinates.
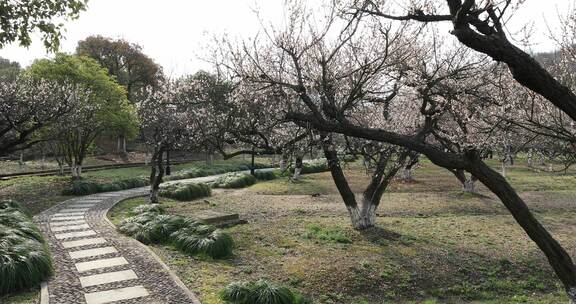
(95, 264)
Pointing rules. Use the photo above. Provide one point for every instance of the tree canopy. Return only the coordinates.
(19, 18)
(124, 60)
(104, 110)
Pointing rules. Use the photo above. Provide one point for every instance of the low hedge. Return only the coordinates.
(24, 257)
(150, 226)
(85, 187)
(234, 180)
(185, 192)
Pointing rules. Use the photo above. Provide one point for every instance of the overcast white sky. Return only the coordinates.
(175, 32)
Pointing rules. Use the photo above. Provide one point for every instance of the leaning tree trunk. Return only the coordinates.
(156, 175)
(359, 217)
(557, 257)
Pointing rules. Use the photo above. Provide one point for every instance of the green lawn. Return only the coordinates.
(433, 243)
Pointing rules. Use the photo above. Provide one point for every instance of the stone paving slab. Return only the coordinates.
(92, 252)
(108, 296)
(67, 223)
(73, 213)
(68, 218)
(103, 263)
(83, 242)
(74, 210)
(109, 277)
(76, 234)
(70, 227)
(80, 204)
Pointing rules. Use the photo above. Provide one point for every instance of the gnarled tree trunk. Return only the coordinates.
(363, 215)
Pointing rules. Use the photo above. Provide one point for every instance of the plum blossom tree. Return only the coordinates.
(333, 77)
(27, 105)
(338, 79)
(167, 124)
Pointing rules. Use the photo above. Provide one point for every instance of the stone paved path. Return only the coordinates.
(95, 264)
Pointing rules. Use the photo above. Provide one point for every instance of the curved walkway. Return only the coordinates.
(95, 264)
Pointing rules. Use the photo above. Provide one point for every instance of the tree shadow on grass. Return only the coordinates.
(381, 236)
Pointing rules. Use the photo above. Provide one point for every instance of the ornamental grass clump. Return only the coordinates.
(186, 192)
(260, 292)
(204, 240)
(24, 257)
(150, 226)
(234, 180)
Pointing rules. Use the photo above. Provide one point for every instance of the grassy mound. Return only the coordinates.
(186, 192)
(234, 180)
(24, 257)
(84, 187)
(260, 292)
(152, 227)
